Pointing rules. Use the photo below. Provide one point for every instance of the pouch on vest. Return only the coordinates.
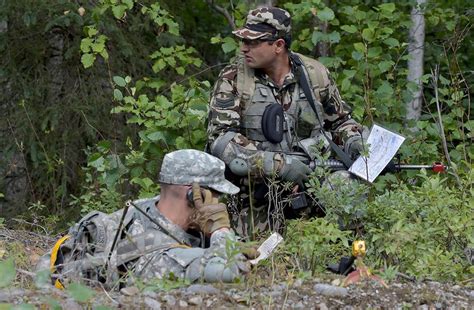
(272, 123)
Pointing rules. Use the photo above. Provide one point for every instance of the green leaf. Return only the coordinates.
(91, 31)
(317, 37)
(87, 60)
(325, 14)
(80, 292)
(368, 34)
(229, 45)
(349, 28)
(118, 11)
(392, 42)
(156, 136)
(374, 52)
(357, 55)
(387, 7)
(180, 70)
(359, 15)
(86, 44)
(385, 89)
(8, 272)
(385, 65)
(159, 65)
(216, 39)
(360, 47)
(104, 54)
(120, 81)
(334, 37)
(118, 95)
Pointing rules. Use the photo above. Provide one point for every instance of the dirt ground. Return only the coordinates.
(264, 290)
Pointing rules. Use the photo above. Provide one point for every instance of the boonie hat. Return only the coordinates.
(265, 23)
(184, 167)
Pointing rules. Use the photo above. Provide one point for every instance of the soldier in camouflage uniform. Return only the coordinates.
(265, 74)
(158, 244)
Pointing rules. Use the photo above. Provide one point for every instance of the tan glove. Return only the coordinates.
(248, 250)
(209, 215)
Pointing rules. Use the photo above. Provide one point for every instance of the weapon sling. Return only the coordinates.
(304, 82)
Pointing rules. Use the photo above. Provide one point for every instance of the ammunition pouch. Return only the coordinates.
(273, 123)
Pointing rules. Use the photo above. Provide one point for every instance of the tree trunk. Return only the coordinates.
(322, 47)
(415, 62)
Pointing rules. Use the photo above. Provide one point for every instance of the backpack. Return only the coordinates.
(85, 251)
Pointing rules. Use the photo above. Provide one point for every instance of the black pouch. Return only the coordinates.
(272, 123)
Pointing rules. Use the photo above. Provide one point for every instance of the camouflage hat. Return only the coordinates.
(265, 23)
(185, 167)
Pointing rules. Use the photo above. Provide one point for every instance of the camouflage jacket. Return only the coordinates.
(235, 116)
(144, 250)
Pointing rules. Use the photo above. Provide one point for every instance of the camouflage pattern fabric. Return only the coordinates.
(265, 23)
(185, 260)
(227, 115)
(184, 167)
(145, 251)
(240, 97)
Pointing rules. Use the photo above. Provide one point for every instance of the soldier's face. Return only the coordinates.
(259, 54)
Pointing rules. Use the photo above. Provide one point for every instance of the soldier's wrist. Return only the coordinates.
(272, 163)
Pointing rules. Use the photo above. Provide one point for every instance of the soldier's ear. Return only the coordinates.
(280, 44)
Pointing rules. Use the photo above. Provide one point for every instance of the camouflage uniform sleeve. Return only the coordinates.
(225, 140)
(337, 115)
(213, 264)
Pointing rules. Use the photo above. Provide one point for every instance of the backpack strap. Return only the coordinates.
(245, 81)
(304, 82)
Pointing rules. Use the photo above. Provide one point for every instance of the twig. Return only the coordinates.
(32, 224)
(26, 272)
(434, 76)
(224, 12)
(406, 277)
(107, 294)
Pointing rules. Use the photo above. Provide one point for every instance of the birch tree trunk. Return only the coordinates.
(415, 62)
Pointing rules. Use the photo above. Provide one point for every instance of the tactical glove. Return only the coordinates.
(248, 250)
(354, 147)
(209, 215)
(294, 170)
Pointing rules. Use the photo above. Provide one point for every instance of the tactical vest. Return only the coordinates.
(300, 121)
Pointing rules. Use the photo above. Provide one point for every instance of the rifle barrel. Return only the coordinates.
(334, 164)
(413, 167)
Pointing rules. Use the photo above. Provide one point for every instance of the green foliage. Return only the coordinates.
(79, 292)
(8, 272)
(164, 284)
(423, 230)
(315, 243)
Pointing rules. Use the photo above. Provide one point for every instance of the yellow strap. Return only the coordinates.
(54, 257)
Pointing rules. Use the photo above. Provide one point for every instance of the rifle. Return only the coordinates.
(299, 199)
(335, 165)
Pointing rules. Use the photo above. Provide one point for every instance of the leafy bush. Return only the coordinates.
(312, 244)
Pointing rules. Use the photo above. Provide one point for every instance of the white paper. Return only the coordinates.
(383, 145)
(267, 247)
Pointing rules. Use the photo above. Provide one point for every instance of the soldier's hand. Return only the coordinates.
(248, 250)
(209, 215)
(294, 170)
